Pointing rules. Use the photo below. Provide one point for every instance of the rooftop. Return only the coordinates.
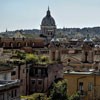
(79, 73)
(5, 66)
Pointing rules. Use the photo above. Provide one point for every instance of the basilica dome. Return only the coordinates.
(48, 20)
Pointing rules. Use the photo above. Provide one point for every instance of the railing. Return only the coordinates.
(82, 93)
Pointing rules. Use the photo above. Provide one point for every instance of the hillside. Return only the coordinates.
(72, 32)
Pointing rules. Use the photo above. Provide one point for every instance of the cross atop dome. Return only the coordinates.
(48, 7)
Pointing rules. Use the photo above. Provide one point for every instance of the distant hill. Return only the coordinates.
(93, 31)
(27, 33)
(80, 32)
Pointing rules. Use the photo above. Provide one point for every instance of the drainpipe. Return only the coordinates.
(19, 71)
(26, 80)
(94, 86)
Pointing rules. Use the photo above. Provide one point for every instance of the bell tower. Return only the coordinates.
(87, 50)
(55, 50)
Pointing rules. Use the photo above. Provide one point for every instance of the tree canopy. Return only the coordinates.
(31, 58)
(59, 91)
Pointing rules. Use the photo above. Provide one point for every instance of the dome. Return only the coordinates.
(48, 20)
(88, 39)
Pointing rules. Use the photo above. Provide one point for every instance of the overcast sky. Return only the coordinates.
(27, 14)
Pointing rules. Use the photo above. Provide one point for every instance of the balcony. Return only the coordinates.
(82, 93)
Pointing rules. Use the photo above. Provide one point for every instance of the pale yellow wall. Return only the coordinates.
(86, 79)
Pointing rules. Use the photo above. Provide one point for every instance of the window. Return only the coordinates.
(53, 55)
(39, 71)
(12, 95)
(5, 76)
(23, 38)
(15, 92)
(81, 86)
(36, 71)
(11, 44)
(86, 55)
(46, 72)
(13, 38)
(43, 72)
(4, 44)
(2, 96)
(33, 81)
(21, 81)
(8, 95)
(26, 44)
(90, 86)
(69, 60)
(32, 44)
(13, 73)
(39, 82)
(23, 70)
(18, 44)
(27, 70)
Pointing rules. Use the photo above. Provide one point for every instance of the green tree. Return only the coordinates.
(39, 96)
(31, 58)
(35, 96)
(75, 97)
(21, 55)
(44, 59)
(59, 91)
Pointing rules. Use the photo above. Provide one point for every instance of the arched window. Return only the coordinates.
(86, 56)
(32, 44)
(11, 44)
(69, 60)
(26, 44)
(3, 44)
(23, 38)
(18, 44)
(13, 38)
(53, 55)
